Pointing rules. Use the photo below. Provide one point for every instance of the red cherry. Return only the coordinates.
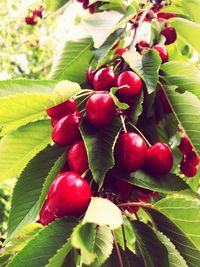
(69, 195)
(66, 130)
(46, 215)
(170, 35)
(132, 85)
(163, 53)
(122, 187)
(31, 20)
(62, 109)
(165, 15)
(192, 158)
(104, 79)
(90, 76)
(120, 51)
(164, 101)
(85, 4)
(159, 159)
(143, 198)
(185, 145)
(77, 157)
(130, 151)
(187, 169)
(100, 109)
(92, 8)
(38, 12)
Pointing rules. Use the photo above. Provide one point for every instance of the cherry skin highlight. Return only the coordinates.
(104, 79)
(130, 151)
(132, 85)
(163, 53)
(159, 159)
(66, 130)
(69, 195)
(77, 157)
(62, 109)
(100, 109)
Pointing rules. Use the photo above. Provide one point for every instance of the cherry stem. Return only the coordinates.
(119, 257)
(135, 204)
(140, 21)
(123, 123)
(132, 125)
(83, 101)
(81, 95)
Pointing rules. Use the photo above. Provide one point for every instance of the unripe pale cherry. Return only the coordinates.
(62, 109)
(163, 53)
(130, 151)
(77, 157)
(69, 195)
(159, 159)
(46, 216)
(66, 130)
(100, 109)
(132, 85)
(104, 79)
(170, 35)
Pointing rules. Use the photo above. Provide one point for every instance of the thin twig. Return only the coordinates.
(132, 125)
(123, 123)
(119, 257)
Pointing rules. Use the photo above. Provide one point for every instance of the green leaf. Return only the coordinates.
(183, 74)
(146, 66)
(20, 109)
(119, 104)
(26, 197)
(95, 243)
(186, 107)
(19, 147)
(178, 218)
(102, 25)
(73, 62)
(97, 209)
(44, 245)
(188, 30)
(151, 248)
(100, 142)
(192, 9)
(166, 184)
(175, 259)
(137, 108)
(53, 5)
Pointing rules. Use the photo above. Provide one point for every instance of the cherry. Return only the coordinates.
(66, 131)
(130, 151)
(187, 169)
(159, 159)
(122, 187)
(31, 20)
(85, 4)
(192, 158)
(92, 8)
(120, 51)
(38, 12)
(143, 43)
(104, 79)
(90, 76)
(132, 85)
(62, 109)
(165, 15)
(69, 195)
(185, 145)
(163, 53)
(116, 45)
(100, 109)
(77, 157)
(170, 35)
(164, 101)
(46, 215)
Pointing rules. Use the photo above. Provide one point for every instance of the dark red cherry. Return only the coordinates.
(31, 20)
(77, 157)
(46, 216)
(185, 145)
(62, 109)
(165, 15)
(120, 51)
(163, 53)
(130, 151)
(164, 101)
(104, 79)
(69, 195)
(132, 85)
(170, 35)
(122, 187)
(66, 130)
(90, 76)
(85, 4)
(192, 158)
(100, 109)
(187, 169)
(92, 8)
(38, 12)
(159, 159)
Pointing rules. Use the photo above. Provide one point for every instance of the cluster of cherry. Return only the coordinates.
(32, 20)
